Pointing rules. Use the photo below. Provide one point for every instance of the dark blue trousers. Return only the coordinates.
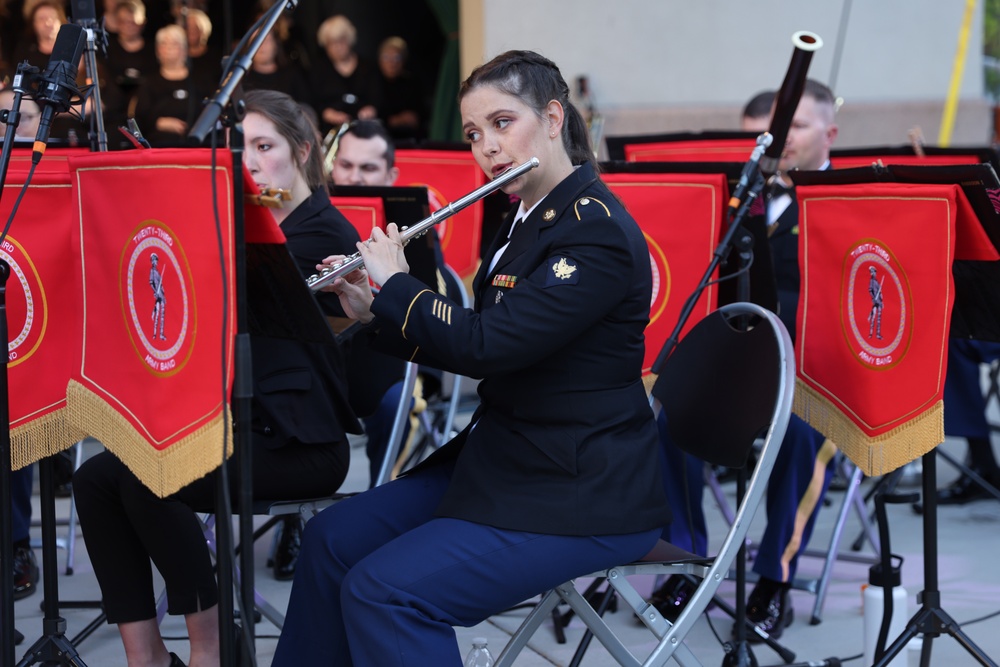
(801, 474)
(381, 582)
(964, 403)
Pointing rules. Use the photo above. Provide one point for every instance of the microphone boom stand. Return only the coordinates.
(98, 136)
(52, 648)
(237, 66)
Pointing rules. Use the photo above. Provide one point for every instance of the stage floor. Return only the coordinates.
(969, 582)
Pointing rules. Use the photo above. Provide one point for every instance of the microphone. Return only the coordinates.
(57, 84)
(749, 169)
(787, 98)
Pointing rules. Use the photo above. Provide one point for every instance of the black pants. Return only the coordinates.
(125, 524)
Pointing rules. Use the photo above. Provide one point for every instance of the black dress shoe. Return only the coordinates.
(671, 598)
(965, 490)
(769, 608)
(25, 572)
(18, 637)
(286, 556)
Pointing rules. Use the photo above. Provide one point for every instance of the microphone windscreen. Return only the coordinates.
(58, 82)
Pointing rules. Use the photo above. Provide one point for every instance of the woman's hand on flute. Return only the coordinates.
(353, 289)
(383, 254)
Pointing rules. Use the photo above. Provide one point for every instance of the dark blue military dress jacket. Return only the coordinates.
(564, 440)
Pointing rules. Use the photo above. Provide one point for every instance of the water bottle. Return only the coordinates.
(873, 611)
(480, 655)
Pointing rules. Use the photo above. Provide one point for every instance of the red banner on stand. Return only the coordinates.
(874, 315)
(448, 175)
(681, 216)
(41, 310)
(155, 369)
(365, 213)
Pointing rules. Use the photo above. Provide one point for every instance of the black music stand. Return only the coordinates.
(907, 153)
(974, 315)
(720, 145)
(404, 206)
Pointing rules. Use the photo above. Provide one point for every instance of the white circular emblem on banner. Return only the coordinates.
(158, 299)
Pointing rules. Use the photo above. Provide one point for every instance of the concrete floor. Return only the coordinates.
(969, 541)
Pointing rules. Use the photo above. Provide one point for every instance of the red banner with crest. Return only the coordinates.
(874, 315)
(682, 218)
(41, 309)
(155, 367)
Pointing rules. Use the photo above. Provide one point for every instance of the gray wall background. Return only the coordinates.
(674, 65)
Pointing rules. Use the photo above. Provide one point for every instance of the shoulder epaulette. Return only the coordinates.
(588, 201)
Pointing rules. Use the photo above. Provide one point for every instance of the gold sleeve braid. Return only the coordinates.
(409, 308)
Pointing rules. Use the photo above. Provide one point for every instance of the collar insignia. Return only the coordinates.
(549, 215)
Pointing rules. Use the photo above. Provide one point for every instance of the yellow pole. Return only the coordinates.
(951, 104)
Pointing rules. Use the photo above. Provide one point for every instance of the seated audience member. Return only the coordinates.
(43, 18)
(564, 423)
(272, 70)
(403, 105)
(344, 85)
(204, 60)
(169, 100)
(299, 439)
(131, 58)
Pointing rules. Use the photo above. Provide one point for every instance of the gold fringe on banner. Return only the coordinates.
(162, 471)
(41, 437)
(874, 455)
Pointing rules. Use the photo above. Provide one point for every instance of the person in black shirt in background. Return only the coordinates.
(404, 110)
(344, 85)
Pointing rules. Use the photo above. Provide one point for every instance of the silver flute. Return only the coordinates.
(354, 262)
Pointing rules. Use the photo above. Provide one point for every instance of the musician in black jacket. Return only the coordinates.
(300, 423)
(555, 476)
(803, 469)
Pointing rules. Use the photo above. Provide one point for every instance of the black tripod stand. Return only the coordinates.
(931, 620)
(52, 648)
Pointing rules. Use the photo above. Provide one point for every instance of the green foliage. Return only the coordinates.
(991, 47)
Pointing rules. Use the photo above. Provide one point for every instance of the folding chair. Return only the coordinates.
(721, 387)
(308, 507)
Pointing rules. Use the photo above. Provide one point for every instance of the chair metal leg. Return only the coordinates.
(526, 630)
(852, 500)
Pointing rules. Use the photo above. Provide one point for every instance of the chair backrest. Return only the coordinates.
(721, 384)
